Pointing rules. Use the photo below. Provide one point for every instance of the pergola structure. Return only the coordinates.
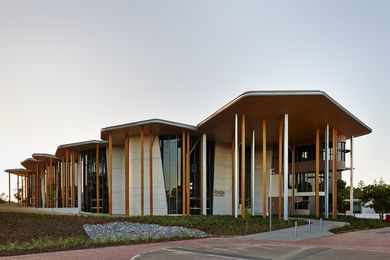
(23, 174)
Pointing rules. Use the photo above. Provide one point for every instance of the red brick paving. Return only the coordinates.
(375, 239)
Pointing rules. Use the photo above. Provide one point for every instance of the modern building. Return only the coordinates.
(284, 147)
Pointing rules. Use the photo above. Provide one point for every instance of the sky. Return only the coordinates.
(70, 68)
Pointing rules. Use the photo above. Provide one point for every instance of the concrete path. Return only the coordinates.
(315, 229)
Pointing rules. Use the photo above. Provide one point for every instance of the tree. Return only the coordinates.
(341, 195)
(378, 197)
(18, 194)
(3, 198)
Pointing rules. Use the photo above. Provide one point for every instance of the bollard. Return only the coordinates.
(309, 226)
(296, 224)
(320, 224)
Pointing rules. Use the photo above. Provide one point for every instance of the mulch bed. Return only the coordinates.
(16, 227)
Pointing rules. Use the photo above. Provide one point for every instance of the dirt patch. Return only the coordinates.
(17, 227)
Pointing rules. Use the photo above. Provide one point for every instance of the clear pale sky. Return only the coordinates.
(70, 68)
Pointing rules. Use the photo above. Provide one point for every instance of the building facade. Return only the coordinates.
(281, 148)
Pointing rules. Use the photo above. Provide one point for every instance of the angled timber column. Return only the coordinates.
(201, 174)
(127, 171)
(243, 166)
(204, 175)
(66, 178)
(264, 126)
(73, 184)
(317, 177)
(97, 179)
(46, 184)
(183, 171)
(188, 146)
(110, 173)
(17, 187)
(151, 141)
(142, 171)
(351, 179)
(233, 179)
(50, 183)
(62, 183)
(37, 186)
(9, 188)
(280, 202)
(253, 174)
(334, 145)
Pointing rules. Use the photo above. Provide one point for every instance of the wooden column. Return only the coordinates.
(334, 172)
(62, 183)
(151, 141)
(73, 182)
(50, 183)
(9, 188)
(110, 173)
(201, 176)
(97, 159)
(46, 184)
(37, 186)
(317, 176)
(243, 166)
(264, 127)
(17, 187)
(188, 146)
(293, 180)
(142, 171)
(127, 173)
(351, 179)
(280, 171)
(183, 171)
(233, 180)
(22, 181)
(67, 178)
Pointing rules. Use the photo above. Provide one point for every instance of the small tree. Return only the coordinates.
(18, 194)
(3, 198)
(341, 195)
(378, 194)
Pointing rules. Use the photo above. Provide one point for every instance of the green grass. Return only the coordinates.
(356, 224)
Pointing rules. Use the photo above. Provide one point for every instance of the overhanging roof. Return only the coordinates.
(307, 111)
(18, 171)
(79, 146)
(151, 126)
(45, 157)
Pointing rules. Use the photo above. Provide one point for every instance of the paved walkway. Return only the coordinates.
(315, 229)
(367, 244)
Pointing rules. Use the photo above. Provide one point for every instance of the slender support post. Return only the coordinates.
(110, 173)
(127, 173)
(233, 179)
(151, 141)
(253, 174)
(79, 182)
(243, 166)
(285, 167)
(17, 187)
(280, 172)
(22, 183)
(97, 156)
(293, 180)
(188, 197)
(67, 178)
(236, 166)
(326, 169)
(183, 171)
(264, 126)
(204, 174)
(334, 172)
(62, 183)
(73, 182)
(142, 172)
(317, 176)
(37, 186)
(351, 180)
(51, 202)
(9, 188)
